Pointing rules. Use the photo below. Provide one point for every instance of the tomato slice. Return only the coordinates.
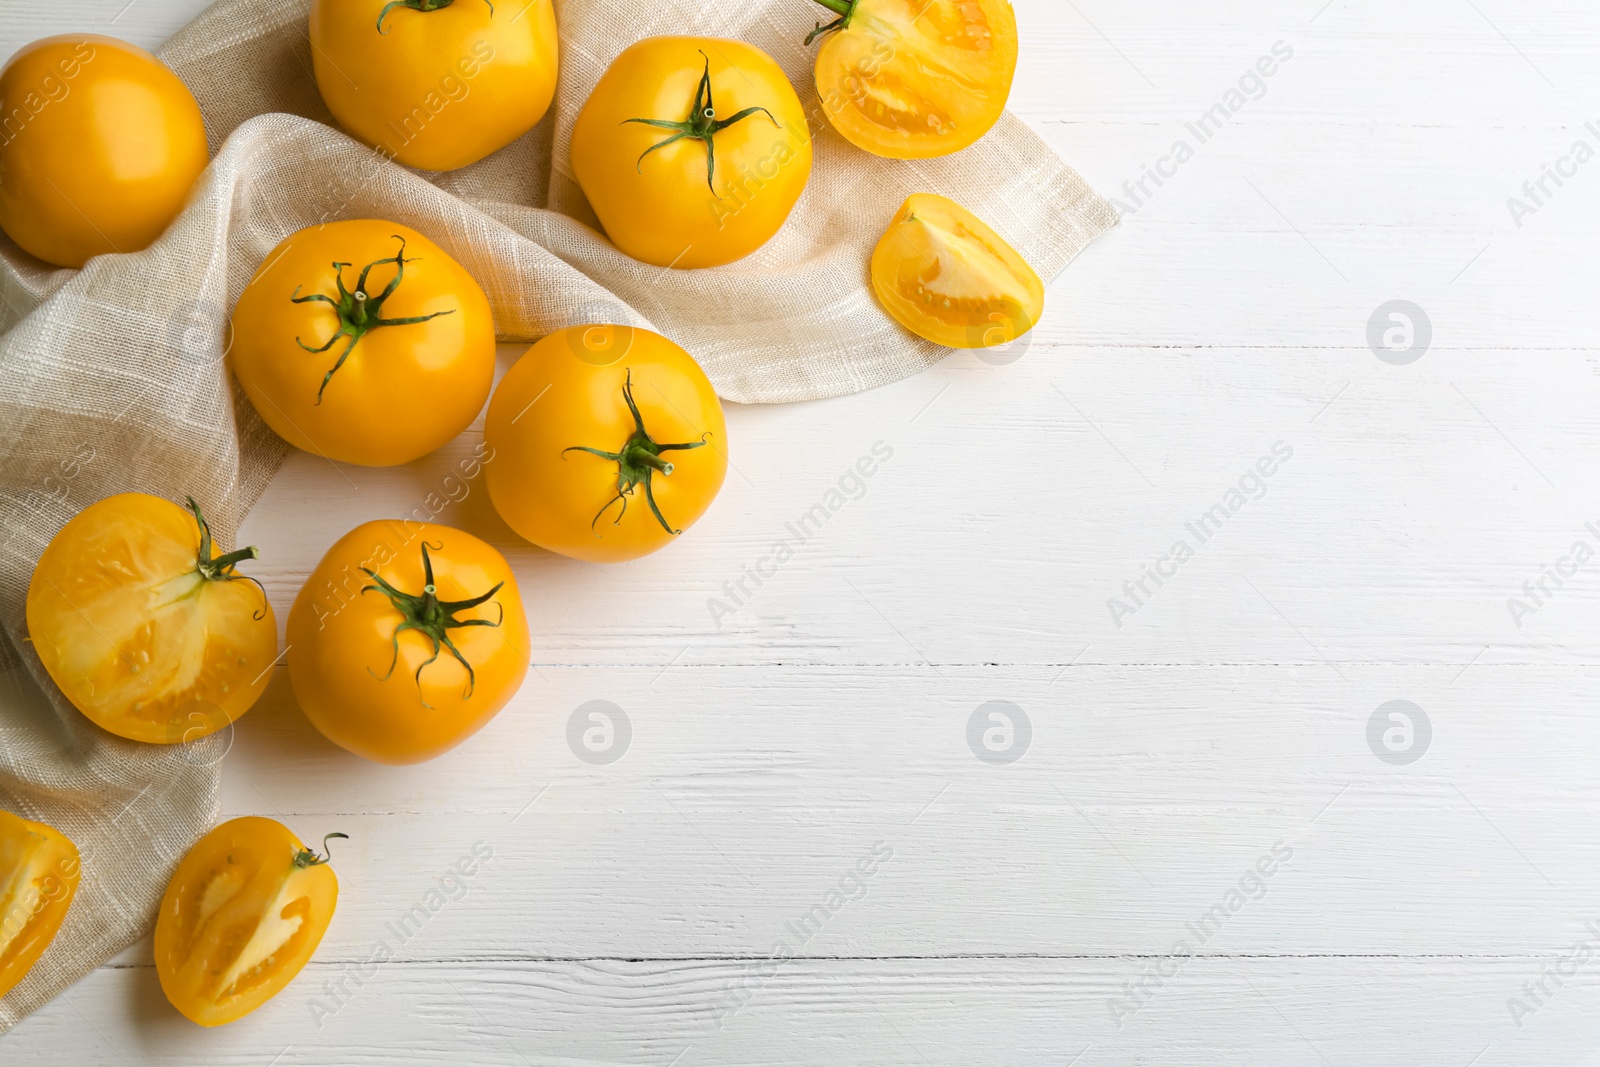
(242, 915)
(946, 276)
(912, 79)
(144, 627)
(38, 877)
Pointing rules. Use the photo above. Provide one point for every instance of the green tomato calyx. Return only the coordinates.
(418, 5)
(307, 858)
(221, 568)
(638, 461)
(432, 618)
(701, 125)
(845, 9)
(360, 312)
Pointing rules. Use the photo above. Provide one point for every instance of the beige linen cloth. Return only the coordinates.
(112, 377)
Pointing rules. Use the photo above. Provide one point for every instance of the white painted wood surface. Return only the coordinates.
(630, 911)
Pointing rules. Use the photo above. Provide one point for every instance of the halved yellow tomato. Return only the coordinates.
(946, 276)
(242, 915)
(38, 876)
(146, 628)
(912, 79)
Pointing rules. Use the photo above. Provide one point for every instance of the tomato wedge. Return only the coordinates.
(242, 915)
(913, 79)
(38, 876)
(144, 626)
(946, 276)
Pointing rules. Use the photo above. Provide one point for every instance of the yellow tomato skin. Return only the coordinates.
(100, 144)
(436, 89)
(660, 208)
(38, 876)
(554, 496)
(910, 79)
(242, 915)
(135, 636)
(356, 674)
(404, 390)
(947, 277)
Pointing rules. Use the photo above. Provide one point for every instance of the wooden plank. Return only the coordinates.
(894, 1013)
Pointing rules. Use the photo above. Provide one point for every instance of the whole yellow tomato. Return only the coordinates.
(99, 147)
(406, 640)
(625, 408)
(946, 276)
(242, 915)
(436, 84)
(363, 341)
(692, 150)
(911, 79)
(144, 626)
(38, 877)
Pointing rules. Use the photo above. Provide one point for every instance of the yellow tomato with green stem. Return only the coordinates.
(406, 640)
(436, 84)
(913, 79)
(946, 276)
(39, 869)
(692, 150)
(363, 341)
(589, 421)
(242, 915)
(145, 625)
(99, 148)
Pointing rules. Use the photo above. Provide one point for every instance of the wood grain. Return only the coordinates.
(631, 911)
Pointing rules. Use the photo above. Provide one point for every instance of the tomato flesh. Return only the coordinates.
(946, 276)
(135, 637)
(38, 877)
(913, 79)
(243, 914)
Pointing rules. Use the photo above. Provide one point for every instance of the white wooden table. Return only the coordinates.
(1429, 877)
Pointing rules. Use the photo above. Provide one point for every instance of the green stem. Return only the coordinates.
(307, 858)
(432, 618)
(359, 312)
(845, 9)
(637, 461)
(701, 125)
(220, 568)
(419, 5)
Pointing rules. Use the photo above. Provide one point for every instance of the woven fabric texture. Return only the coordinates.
(113, 378)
